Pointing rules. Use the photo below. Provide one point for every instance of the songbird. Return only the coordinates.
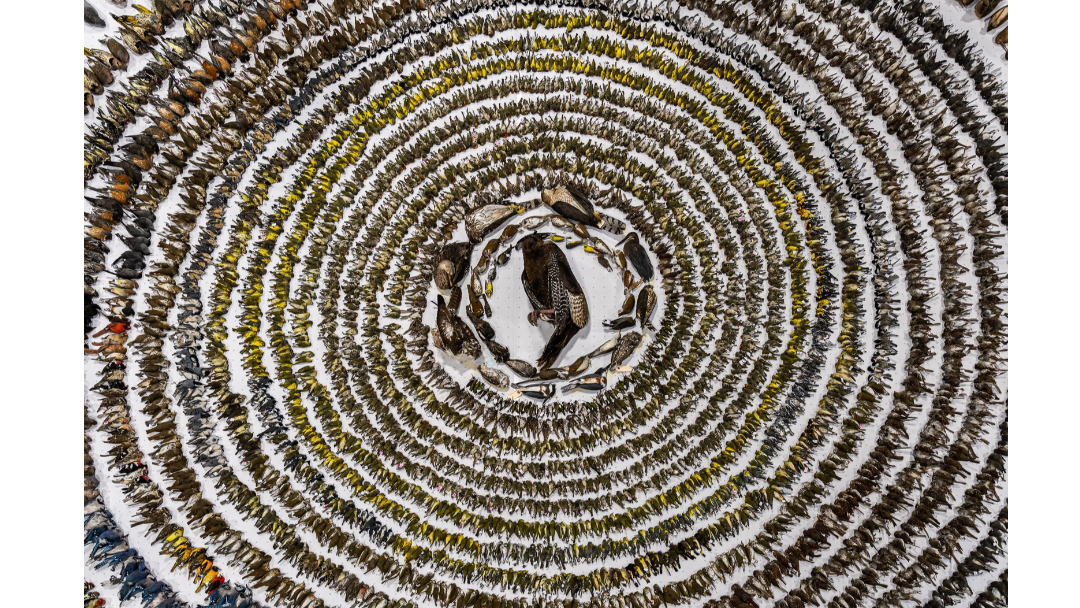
(634, 252)
(554, 293)
(452, 264)
(646, 302)
(495, 377)
(619, 323)
(593, 382)
(450, 333)
(543, 392)
(521, 368)
(624, 348)
(572, 204)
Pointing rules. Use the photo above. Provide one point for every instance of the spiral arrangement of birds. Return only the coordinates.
(758, 250)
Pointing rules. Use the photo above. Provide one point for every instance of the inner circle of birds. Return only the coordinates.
(553, 290)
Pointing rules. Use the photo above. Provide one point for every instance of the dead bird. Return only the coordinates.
(482, 327)
(91, 16)
(620, 323)
(451, 264)
(480, 222)
(604, 348)
(543, 392)
(450, 333)
(580, 366)
(500, 352)
(637, 255)
(571, 203)
(624, 348)
(495, 377)
(628, 305)
(521, 368)
(645, 305)
(552, 373)
(554, 293)
(592, 382)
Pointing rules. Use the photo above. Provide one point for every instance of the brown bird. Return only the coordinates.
(451, 264)
(645, 304)
(450, 332)
(572, 204)
(624, 348)
(554, 293)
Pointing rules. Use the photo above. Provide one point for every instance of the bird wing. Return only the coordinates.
(564, 284)
(458, 254)
(581, 198)
(537, 290)
(444, 322)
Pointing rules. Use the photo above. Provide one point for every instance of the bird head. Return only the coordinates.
(547, 196)
(632, 237)
(443, 274)
(532, 242)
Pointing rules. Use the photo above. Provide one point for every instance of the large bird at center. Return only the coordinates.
(554, 293)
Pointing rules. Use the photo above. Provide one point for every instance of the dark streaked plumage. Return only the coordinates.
(554, 293)
(480, 222)
(498, 351)
(482, 327)
(624, 348)
(452, 264)
(521, 368)
(451, 333)
(495, 377)
(646, 302)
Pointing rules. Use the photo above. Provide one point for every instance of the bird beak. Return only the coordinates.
(623, 239)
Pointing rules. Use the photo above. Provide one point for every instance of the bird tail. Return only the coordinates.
(558, 341)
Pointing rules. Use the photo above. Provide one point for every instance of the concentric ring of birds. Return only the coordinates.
(578, 304)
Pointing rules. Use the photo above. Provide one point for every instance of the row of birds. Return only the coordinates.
(137, 34)
(554, 294)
